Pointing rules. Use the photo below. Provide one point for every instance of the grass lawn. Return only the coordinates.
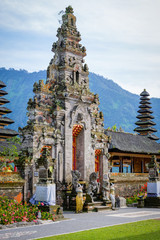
(143, 230)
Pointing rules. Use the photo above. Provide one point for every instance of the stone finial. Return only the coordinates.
(69, 9)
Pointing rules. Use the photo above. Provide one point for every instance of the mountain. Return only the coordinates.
(118, 105)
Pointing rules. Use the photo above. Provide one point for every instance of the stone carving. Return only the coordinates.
(93, 185)
(77, 114)
(45, 166)
(79, 200)
(79, 117)
(86, 67)
(69, 79)
(105, 187)
(112, 195)
(153, 169)
(75, 180)
(72, 61)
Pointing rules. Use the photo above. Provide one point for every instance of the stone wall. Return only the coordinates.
(11, 185)
(126, 184)
(12, 191)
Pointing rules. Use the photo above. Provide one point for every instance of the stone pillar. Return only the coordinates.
(105, 164)
(89, 153)
(103, 168)
(60, 167)
(26, 182)
(67, 177)
(121, 165)
(142, 166)
(132, 165)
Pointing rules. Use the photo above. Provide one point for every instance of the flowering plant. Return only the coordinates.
(139, 194)
(12, 212)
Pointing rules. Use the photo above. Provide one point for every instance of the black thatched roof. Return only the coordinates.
(6, 120)
(127, 142)
(3, 93)
(145, 122)
(3, 101)
(5, 110)
(145, 129)
(144, 111)
(8, 144)
(140, 116)
(2, 84)
(7, 132)
(144, 93)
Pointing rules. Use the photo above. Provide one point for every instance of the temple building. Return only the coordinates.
(130, 154)
(64, 115)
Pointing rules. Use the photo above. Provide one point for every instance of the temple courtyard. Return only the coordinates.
(80, 222)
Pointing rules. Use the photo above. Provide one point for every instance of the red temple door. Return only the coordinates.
(97, 160)
(76, 130)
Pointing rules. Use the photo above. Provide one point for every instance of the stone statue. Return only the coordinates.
(105, 187)
(112, 195)
(153, 169)
(105, 190)
(75, 179)
(79, 200)
(93, 185)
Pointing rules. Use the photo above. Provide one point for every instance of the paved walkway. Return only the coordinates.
(79, 222)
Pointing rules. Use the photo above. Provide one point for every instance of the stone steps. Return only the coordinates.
(101, 208)
(95, 203)
(97, 206)
(153, 202)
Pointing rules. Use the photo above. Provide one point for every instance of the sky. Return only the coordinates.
(122, 38)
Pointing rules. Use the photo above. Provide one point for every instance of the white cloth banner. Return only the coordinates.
(153, 189)
(46, 193)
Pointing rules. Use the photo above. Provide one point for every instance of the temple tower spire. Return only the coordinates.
(67, 66)
(145, 123)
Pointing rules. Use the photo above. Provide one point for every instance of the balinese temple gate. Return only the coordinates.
(64, 116)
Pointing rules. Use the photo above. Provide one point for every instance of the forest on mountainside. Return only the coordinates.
(118, 105)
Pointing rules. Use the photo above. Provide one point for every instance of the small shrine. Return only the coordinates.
(11, 183)
(64, 116)
(153, 186)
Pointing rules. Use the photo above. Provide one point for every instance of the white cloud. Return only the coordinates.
(122, 37)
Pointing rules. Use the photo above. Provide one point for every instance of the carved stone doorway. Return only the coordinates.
(78, 149)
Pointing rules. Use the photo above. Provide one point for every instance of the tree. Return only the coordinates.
(9, 153)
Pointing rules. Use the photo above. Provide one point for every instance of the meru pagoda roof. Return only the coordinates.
(2, 93)
(3, 101)
(132, 143)
(145, 125)
(5, 121)
(2, 84)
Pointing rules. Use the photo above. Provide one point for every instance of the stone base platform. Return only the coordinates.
(11, 185)
(54, 210)
(152, 202)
